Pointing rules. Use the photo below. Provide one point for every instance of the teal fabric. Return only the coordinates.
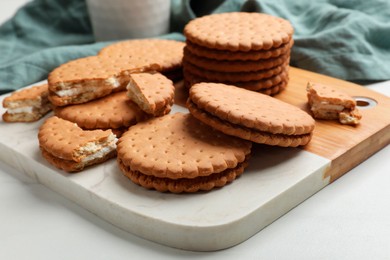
(344, 39)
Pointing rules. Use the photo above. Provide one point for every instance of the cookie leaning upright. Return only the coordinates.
(178, 153)
(152, 92)
(70, 148)
(238, 47)
(250, 115)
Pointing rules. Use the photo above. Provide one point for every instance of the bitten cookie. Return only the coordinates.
(70, 148)
(178, 153)
(115, 112)
(152, 92)
(89, 78)
(329, 103)
(27, 105)
(250, 115)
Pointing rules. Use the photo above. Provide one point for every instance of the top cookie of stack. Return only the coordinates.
(249, 50)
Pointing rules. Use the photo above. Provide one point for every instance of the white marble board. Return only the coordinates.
(277, 180)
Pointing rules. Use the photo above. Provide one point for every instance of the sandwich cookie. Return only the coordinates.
(327, 102)
(255, 85)
(70, 148)
(250, 115)
(152, 92)
(115, 112)
(177, 153)
(27, 105)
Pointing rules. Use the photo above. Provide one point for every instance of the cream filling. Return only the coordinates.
(327, 106)
(68, 90)
(72, 92)
(17, 110)
(99, 154)
(113, 81)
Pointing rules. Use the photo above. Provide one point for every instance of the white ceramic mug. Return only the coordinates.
(126, 19)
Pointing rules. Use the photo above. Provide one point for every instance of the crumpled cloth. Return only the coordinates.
(349, 40)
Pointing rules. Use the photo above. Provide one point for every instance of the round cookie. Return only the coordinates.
(239, 31)
(238, 55)
(114, 111)
(178, 153)
(250, 115)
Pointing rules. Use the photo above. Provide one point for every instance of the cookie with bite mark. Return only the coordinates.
(70, 148)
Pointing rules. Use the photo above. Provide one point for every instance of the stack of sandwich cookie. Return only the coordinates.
(178, 153)
(250, 115)
(249, 50)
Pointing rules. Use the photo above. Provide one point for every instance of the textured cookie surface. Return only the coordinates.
(179, 146)
(239, 31)
(153, 92)
(330, 95)
(113, 111)
(167, 53)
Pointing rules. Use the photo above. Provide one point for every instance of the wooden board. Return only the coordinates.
(346, 146)
(276, 180)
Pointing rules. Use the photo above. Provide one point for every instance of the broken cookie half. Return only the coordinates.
(327, 102)
(27, 105)
(70, 148)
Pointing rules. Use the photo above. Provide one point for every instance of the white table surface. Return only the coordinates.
(349, 219)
